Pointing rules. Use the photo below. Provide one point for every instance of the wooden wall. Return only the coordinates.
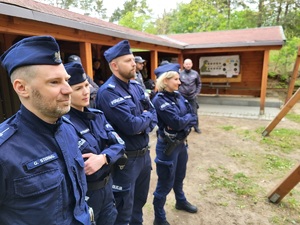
(251, 65)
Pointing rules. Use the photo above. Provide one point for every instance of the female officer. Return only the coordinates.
(103, 146)
(175, 119)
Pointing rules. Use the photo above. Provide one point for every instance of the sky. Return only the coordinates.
(157, 6)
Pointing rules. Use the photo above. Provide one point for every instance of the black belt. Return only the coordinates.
(137, 153)
(96, 185)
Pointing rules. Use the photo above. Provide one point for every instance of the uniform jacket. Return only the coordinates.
(42, 180)
(190, 84)
(174, 114)
(100, 136)
(123, 105)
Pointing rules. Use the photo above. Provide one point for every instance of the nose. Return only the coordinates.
(66, 89)
(86, 90)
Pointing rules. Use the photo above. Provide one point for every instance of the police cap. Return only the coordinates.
(120, 49)
(166, 68)
(36, 50)
(77, 73)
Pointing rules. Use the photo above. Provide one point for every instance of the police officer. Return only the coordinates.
(104, 148)
(132, 115)
(42, 178)
(175, 119)
(93, 86)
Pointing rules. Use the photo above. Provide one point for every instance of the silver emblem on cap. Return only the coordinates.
(57, 57)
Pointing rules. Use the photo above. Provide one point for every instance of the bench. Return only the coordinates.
(217, 86)
(218, 82)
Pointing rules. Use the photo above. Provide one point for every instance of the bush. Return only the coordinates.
(282, 61)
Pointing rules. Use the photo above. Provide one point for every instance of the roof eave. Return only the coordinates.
(16, 11)
(239, 44)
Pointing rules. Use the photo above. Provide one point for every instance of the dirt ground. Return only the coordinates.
(222, 153)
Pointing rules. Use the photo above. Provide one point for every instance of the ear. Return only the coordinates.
(114, 65)
(165, 81)
(21, 88)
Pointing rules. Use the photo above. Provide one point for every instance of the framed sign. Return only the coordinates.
(228, 65)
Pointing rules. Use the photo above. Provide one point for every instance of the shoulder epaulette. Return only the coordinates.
(6, 131)
(66, 119)
(111, 86)
(95, 110)
(134, 82)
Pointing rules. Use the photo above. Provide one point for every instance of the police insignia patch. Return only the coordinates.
(57, 57)
(119, 139)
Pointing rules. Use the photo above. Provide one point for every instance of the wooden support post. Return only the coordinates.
(285, 186)
(86, 58)
(264, 81)
(286, 108)
(294, 77)
(154, 63)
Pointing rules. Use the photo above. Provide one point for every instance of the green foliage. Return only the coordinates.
(238, 183)
(293, 117)
(274, 163)
(282, 61)
(285, 140)
(243, 19)
(189, 18)
(137, 21)
(227, 128)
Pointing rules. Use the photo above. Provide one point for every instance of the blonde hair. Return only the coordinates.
(160, 84)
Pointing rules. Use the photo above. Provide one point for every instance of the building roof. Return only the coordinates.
(37, 11)
(263, 36)
(29, 9)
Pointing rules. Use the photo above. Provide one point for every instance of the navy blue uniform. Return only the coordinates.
(101, 139)
(175, 118)
(123, 105)
(42, 180)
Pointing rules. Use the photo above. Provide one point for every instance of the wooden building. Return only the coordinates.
(89, 37)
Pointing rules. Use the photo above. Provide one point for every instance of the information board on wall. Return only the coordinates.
(228, 65)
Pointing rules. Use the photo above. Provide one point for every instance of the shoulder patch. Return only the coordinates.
(164, 106)
(116, 101)
(6, 132)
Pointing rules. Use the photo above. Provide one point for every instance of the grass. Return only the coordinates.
(228, 128)
(293, 117)
(273, 163)
(237, 183)
(282, 139)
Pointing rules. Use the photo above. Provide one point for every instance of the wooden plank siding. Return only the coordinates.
(251, 66)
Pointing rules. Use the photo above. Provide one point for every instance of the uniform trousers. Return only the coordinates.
(103, 204)
(171, 171)
(130, 188)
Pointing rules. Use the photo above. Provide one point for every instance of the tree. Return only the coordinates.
(136, 15)
(87, 7)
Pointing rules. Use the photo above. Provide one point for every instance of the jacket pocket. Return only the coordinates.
(37, 184)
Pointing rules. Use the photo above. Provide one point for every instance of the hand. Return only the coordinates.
(94, 162)
(193, 120)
